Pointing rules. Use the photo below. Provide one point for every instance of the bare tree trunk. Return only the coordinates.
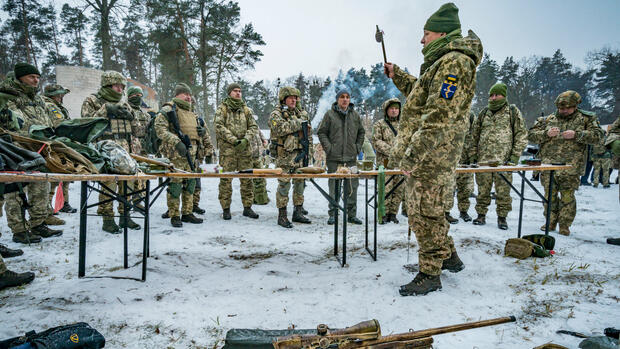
(185, 48)
(29, 52)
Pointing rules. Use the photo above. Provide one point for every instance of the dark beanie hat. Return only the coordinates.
(342, 91)
(231, 87)
(23, 69)
(498, 89)
(445, 20)
(182, 88)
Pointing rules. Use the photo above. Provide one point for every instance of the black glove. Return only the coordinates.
(209, 159)
(201, 131)
(112, 110)
(181, 148)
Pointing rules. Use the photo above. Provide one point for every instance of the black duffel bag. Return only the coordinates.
(76, 336)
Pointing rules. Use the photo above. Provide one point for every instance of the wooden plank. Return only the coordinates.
(58, 177)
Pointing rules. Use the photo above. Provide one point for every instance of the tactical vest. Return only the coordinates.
(188, 123)
(119, 128)
(288, 143)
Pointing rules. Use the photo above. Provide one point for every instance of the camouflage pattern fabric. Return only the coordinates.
(38, 198)
(353, 184)
(503, 201)
(613, 133)
(568, 151)
(434, 120)
(59, 112)
(392, 203)
(499, 136)
(260, 184)
(230, 163)
(464, 189)
(601, 164)
(107, 209)
(285, 127)
(187, 190)
(138, 129)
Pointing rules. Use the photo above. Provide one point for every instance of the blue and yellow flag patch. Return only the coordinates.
(448, 88)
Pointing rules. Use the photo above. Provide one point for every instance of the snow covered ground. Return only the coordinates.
(206, 279)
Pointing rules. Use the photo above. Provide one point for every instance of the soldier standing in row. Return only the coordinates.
(431, 135)
(53, 96)
(27, 108)
(564, 137)
(258, 144)
(384, 134)
(204, 154)
(234, 127)
(177, 128)
(139, 127)
(499, 135)
(108, 103)
(601, 161)
(286, 123)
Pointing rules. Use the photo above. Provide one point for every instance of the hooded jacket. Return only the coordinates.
(341, 134)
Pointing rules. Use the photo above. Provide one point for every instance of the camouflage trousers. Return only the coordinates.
(464, 186)
(503, 201)
(2, 266)
(563, 201)
(260, 185)
(332, 166)
(288, 164)
(180, 193)
(65, 192)
(235, 163)
(38, 199)
(392, 203)
(425, 208)
(107, 209)
(197, 191)
(602, 164)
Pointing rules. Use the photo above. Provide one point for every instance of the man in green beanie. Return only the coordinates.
(53, 96)
(108, 102)
(175, 125)
(499, 136)
(234, 128)
(27, 108)
(564, 137)
(430, 138)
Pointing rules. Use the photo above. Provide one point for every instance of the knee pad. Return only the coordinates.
(174, 189)
(190, 185)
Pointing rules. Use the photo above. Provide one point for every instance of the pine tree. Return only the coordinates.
(74, 30)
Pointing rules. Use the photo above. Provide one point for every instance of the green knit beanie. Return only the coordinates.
(498, 89)
(134, 90)
(182, 88)
(23, 69)
(445, 20)
(231, 87)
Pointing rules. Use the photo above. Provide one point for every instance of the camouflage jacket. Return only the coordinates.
(139, 129)
(467, 143)
(58, 110)
(167, 134)
(434, 117)
(257, 145)
(231, 126)
(498, 136)
(600, 151)
(613, 133)
(285, 126)
(383, 139)
(27, 108)
(568, 151)
(206, 146)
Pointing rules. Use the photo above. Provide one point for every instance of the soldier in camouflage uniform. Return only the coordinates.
(499, 135)
(173, 147)
(25, 109)
(234, 128)
(258, 144)
(384, 134)
(53, 96)
(431, 135)
(564, 137)
(204, 154)
(601, 159)
(108, 102)
(286, 123)
(139, 127)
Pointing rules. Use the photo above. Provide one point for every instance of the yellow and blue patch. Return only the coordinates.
(448, 88)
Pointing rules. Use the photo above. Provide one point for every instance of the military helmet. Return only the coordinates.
(568, 99)
(112, 77)
(287, 91)
(388, 103)
(54, 90)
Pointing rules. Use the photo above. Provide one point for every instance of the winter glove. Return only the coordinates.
(201, 131)
(473, 159)
(181, 148)
(209, 159)
(615, 147)
(241, 144)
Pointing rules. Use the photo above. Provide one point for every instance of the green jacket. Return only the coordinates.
(341, 134)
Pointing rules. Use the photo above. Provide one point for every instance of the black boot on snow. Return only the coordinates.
(190, 218)
(421, 285)
(283, 219)
(453, 264)
(248, 212)
(298, 216)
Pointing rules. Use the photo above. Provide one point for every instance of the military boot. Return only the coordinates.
(298, 216)
(391, 217)
(480, 220)
(66, 208)
(303, 210)
(248, 212)
(6, 252)
(421, 285)
(45, 232)
(453, 264)
(129, 223)
(553, 222)
(26, 237)
(613, 241)
(51, 220)
(12, 279)
(190, 218)
(564, 230)
(331, 220)
(165, 215)
(501, 223)
(283, 219)
(109, 226)
(465, 217)
(226, 214)
(198, 209)
(176, 222)
(450, 219)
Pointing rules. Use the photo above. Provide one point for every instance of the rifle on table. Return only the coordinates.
(270, 171)
(365, 335)
(305, 144)
(156, 162)
(172, 117)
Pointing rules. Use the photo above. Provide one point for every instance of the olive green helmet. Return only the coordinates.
(112, 77)
(54, 90)
(287, 91)
(568, 99)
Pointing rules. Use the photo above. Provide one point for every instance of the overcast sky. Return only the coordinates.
(319, 37)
